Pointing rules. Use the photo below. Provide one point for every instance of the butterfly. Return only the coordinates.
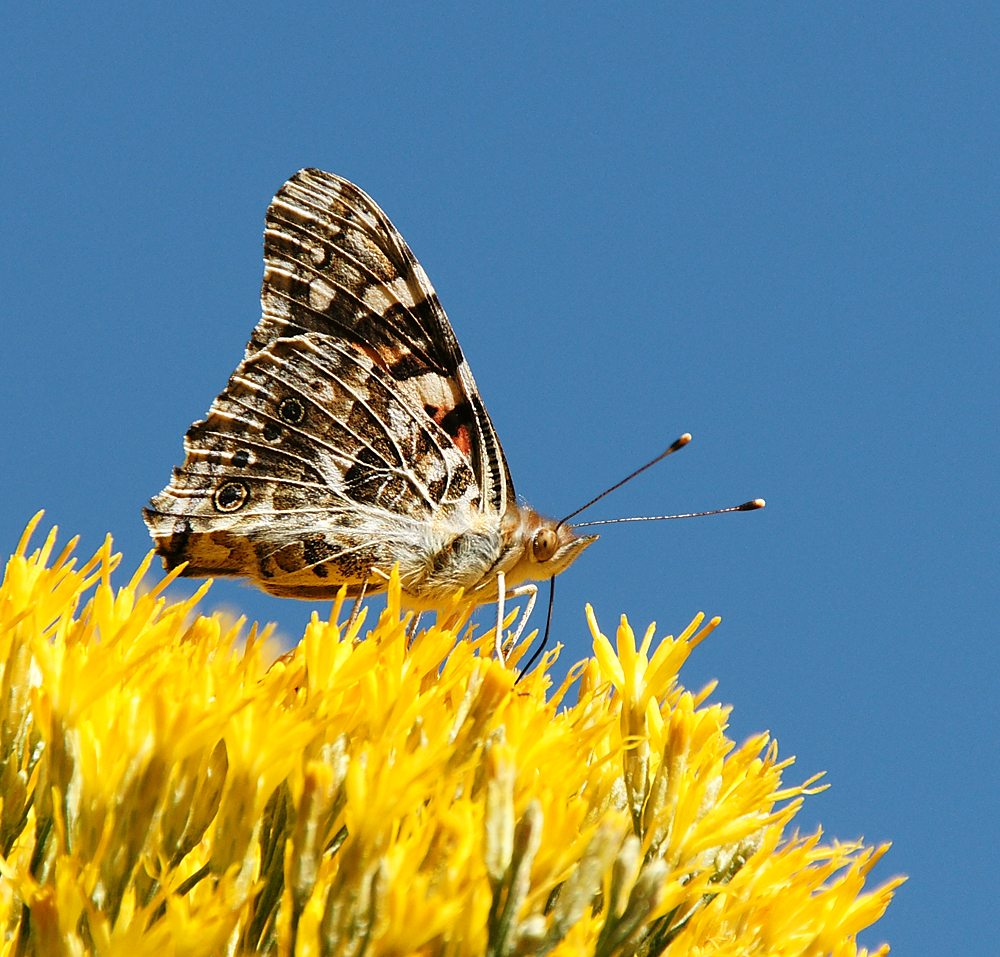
(352, 437)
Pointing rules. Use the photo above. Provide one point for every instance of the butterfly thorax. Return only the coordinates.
(469, 549)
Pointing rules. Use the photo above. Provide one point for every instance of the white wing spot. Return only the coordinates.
(376, 299)
(321, 294)
(403, 292)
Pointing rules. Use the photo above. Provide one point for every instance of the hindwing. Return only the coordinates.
(309, 465)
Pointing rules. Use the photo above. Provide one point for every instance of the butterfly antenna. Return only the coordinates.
(679, 444)
(548, 626)
(745, 507)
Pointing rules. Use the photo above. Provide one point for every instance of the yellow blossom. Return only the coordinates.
(167, 790)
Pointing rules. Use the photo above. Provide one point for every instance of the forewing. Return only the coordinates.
(335, 265)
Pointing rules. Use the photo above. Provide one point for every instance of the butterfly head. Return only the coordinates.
(545, 548)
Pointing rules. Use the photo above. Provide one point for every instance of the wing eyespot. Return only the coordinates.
(291, 410)
(231, 497)
(272, 431)
(240, 459)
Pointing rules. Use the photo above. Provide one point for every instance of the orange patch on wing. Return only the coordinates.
(374, 355)
(461, 438)
(462, 441)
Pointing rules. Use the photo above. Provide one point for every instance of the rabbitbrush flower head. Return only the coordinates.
(166, 792)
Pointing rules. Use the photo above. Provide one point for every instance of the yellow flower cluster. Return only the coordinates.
(166, 792)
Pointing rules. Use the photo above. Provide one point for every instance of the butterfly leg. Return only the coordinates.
(357, 602)
(501, 590)
(531, 590)
(413, 628)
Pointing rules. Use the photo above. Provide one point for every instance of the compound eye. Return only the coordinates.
(544, 545)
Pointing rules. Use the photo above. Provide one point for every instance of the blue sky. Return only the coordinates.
(771, 225)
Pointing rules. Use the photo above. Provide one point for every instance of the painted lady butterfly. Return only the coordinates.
(352, 435)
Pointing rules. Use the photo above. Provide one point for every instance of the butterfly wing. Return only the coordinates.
(334, 264)
(352, 436)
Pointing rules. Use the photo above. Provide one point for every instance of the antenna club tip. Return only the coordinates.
(681, 442)
(751, 506)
